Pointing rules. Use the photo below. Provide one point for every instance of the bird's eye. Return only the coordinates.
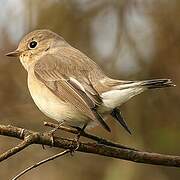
(32, 44)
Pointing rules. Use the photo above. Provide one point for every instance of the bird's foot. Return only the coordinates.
(52, 132)
(75, 146)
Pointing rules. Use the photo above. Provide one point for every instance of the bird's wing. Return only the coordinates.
(68, 79)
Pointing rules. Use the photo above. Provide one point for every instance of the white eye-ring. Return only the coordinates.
(33, 44)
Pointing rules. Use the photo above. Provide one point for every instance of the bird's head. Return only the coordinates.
(35, 45)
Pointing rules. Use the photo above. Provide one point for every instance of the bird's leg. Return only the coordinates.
(76, 139)
(51, 132)
(56, 128)
(80, 131)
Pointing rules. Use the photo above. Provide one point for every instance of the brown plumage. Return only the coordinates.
(68, 79)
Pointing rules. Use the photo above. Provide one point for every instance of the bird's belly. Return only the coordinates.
(52, 106)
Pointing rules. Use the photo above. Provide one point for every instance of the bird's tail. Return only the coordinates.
(129, 90)
(157, 83)
(147, 84)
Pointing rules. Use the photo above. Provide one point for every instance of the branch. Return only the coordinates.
(17, 148)
(94, 148)
(19, 133)
(40, 163)
(99, 140)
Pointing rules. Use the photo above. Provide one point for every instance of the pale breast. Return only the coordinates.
(50, 104)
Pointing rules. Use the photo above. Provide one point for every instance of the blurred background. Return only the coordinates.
(131, 40)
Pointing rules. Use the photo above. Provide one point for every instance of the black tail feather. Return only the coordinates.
(117, 115)
(157, 83)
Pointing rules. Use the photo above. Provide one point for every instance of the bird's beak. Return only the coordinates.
(15, 53)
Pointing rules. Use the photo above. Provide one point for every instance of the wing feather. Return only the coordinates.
(70, 83)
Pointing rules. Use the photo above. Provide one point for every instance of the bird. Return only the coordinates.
(69, 87)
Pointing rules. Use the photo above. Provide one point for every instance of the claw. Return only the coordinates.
(51, 133)
(43, 147)
(76, 139)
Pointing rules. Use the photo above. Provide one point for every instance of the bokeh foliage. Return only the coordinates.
(130, 39)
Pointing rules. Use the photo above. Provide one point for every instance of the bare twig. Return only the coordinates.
(40, 163)
(94, 148)
(28, 138)
(17, 148)
(99, 140)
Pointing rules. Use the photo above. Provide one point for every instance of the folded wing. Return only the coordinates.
(70, 83)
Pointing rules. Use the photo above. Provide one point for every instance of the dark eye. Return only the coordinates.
(32, 44)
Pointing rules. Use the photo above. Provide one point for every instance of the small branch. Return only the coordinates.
(40, 163)
(94, 148)
(29, 137)
(99, 140)
(16, 149)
